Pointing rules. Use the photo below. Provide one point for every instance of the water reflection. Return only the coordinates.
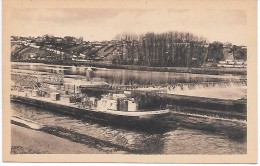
(129, 77)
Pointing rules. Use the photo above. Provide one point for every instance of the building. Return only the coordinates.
(58, 40)
(228, 53)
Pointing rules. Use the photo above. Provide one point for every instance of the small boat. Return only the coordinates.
(119, 109)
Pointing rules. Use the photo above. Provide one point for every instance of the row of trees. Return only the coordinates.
(167, 49)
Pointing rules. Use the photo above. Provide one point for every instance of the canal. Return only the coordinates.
(184, 139)
(129, 77)
(180, 140)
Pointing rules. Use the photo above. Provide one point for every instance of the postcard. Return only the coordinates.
(144, 81)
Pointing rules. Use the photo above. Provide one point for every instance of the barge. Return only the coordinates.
(116, 109)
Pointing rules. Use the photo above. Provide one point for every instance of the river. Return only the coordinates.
(177, 141)
(128, 77)
(180, 140)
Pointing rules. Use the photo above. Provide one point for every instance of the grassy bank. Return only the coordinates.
(193, 70)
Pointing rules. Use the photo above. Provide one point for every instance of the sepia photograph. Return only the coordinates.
(151, 79)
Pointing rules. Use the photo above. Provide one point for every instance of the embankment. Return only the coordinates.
(102, 146)
(29, 141)
(193, 70)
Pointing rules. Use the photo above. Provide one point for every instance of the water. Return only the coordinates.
(183, 140)
(129, 77)
(212, 86)
(177, 141)
(232, 90)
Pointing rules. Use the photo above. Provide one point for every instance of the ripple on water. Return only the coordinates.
(179, 141)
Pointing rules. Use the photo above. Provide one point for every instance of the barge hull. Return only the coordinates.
(131, 122)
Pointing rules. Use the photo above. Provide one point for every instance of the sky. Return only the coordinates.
(105, 24)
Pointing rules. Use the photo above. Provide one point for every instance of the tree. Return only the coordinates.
(163, 49)
(215, 52)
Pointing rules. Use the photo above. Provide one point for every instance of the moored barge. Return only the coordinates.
(112, 108)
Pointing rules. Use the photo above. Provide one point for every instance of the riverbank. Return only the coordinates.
(28, 141)
(22, 133)
(192, 70)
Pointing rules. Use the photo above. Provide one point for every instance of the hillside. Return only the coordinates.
(106, 52)
(165, 51)
(23, 52)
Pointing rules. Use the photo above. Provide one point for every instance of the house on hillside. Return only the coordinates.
(114, 42)
(38, 39)
(23, 40)
(69, 40)
(84, 42)
(14, 38)
(32, 56)
(28, 41)
(82, 56)
(244, 47)
(228, 53)
(103, 43)
(58, 40)
(79, 40)
(96, 43)
(47, 39)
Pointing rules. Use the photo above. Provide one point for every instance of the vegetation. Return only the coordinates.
(215, 51)
(164, 49)
(171, 49)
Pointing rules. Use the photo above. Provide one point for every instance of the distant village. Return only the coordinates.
(156, 51)
(57, 48)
